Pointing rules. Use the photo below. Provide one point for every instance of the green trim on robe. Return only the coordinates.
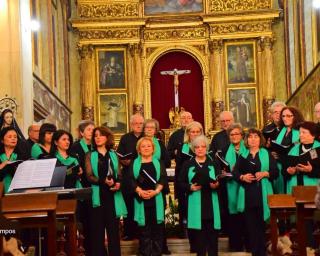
(67, 162)
(307, 181)
(278, 183)
(7, 178)
(194, 203)
(265, 185)
(139, 215)
(84, 146)
(119, 204)
(232, 185)
(157, 148)
(36, 151)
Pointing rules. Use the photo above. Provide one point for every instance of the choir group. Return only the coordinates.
(222, 185)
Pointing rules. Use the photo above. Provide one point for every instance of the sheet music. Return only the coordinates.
(33, 173)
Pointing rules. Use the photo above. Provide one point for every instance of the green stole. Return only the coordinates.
(279, 182)
(67, 162)
(36, 151)
(186, 148)
(119, 204)
(7, 178)
(307, 181)
(265, 185)
(157, 148)
(232, 185)
(84, 146)
(194, 203)
(139, 215)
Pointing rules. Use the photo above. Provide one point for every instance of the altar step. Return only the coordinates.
(178, 247)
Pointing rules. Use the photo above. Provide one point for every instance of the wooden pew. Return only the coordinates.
(304, 196)
(281, 206)
(34, 210)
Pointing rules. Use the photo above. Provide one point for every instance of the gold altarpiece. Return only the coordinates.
(107, 24)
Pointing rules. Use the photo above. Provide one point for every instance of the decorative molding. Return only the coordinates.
(216, 45)
(150, 50)
(244, 27)
(120, 33)
(268, 42)
(108, 10)
(8, 103)
(201, 48)
(217, 108)
(88, 113)
(136, 49)
(85, 51)
(138, 108)
(266, 104)
(185, 33)
(238, 5)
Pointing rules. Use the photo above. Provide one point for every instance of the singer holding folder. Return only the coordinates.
(303, 165)
(107, 200)
(42, 149)
(9, 152)
(198, 180)
(148, 179)
(254, 170)
(229, 189)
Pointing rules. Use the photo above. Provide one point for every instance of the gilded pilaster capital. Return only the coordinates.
(216, 46)
(136, 49)
(85, 51)
(265, 43)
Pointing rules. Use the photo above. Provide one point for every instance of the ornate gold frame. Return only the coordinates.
(257, 105)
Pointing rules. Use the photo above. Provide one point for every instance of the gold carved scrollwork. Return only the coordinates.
(193, 33)
(240, 27)
(108, 10)
(136, 49)
(266, 110)
(85, 51)
(201, 48)
(150, 50)
(109, 34)
(238, 5)
(268, 42)
(216, 45)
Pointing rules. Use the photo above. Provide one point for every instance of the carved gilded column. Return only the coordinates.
(268, 81)
(217, 76)
(87, 81)
(138, 59)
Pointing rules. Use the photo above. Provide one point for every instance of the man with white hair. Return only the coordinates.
(271, 131)
(127, 153)
(220, 140)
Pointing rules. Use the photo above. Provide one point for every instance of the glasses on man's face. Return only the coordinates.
(225, 121)
(287, 116)
(235, 134)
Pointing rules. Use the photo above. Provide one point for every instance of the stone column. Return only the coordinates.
(217, 80)
(87, 81)
(268, 82)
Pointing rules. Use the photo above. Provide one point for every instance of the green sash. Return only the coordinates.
(68, 162)
(186, 148)
(278, 184)
(120, 206)
(232, 185)
(307, 181)
(157, 148)
(139, 215)
(194, 203)
(84, 146)
(7, 178)
(36, 151)
(265, 185)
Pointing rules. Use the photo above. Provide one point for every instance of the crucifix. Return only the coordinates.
(175, 73)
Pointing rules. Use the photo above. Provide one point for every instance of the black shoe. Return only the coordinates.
(127, 238)
(166, 252)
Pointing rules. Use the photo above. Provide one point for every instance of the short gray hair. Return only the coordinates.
(226, 113)
(152, 121)
(235, 126)
(277, 104)
(133, 117)
(83, 124)
(199, 139)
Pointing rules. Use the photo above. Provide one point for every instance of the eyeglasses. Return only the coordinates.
(150, 127)
(225, 121)
(235, 134)
(288, 116)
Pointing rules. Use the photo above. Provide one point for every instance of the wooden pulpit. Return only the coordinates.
(281, 207)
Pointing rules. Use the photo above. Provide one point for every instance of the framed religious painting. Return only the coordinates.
(243, 103)
(111, 73)
(113, 111)
(158, 7)
(241, 62)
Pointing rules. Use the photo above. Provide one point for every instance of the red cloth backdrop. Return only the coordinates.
(190, 87)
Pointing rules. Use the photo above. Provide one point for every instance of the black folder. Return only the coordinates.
(312, 156)
(246, 166)
(280, 149)
(270, 133)
(124, 156)
(223, 162)
(10, 168)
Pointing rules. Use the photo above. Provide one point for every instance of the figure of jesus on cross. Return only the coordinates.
(175, 73)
